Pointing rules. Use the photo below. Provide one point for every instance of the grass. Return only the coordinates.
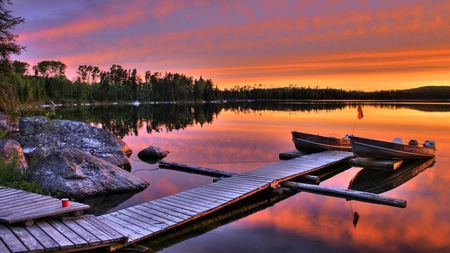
(11, 177)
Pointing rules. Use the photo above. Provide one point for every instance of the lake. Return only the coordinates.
(246, 136)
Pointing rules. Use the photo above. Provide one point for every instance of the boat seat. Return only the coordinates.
(413, 143)
(398, 140)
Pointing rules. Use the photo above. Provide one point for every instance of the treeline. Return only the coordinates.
(49, 83)
(94, 85)
(307, 93)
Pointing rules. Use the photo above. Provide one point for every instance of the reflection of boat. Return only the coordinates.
(305, 142)
(364, 147)
(378, 181)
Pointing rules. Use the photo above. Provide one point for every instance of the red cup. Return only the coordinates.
(65, 202)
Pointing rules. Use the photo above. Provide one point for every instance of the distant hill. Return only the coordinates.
(426, 92)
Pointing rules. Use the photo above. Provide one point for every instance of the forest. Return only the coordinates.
(49, 83)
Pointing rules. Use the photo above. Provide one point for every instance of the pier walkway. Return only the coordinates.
(136, 223)
(148, 219)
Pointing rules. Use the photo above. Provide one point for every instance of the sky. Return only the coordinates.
(350, 45)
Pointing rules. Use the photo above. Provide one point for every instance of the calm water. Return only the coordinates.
(244, 138)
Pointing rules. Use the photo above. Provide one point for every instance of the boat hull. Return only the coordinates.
(305, 142)
(369, 148)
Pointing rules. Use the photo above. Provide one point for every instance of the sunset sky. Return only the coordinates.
(353, 45)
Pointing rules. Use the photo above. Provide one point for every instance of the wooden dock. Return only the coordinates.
(21, 206)
(151, 218)
(136, 223)
(59, 236)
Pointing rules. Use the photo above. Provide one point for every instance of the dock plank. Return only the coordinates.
(11, 241)
(159, 219)
(105, 228)
(59, 238)
(98, 233)
(144, 220)
(82, 232)
(205, 195)
(133, 231)
(26, 238)
(3, 247)
(21, 206)
(69, 233)
(175, 211)
(46, 241)
(195, 201)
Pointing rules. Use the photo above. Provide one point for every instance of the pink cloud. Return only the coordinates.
(288, 41)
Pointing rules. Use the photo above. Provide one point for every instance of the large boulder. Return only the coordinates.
(39, 136)
(11, 149)
(75, 173)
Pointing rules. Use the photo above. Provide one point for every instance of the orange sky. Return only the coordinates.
(363, 45)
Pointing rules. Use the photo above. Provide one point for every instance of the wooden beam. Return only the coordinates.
(375, 163)
(219, 173)
(346, 194)
(195, 169)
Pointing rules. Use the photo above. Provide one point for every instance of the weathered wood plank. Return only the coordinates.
(8, 237)
(375, 163)
(182, 204)
(26, 238)
(8, 196)
(206, 195)
(229, 190)
(159, 219)
(348, 194)
(193, 196)
(116, 221)
(182, 213)
(225, 191)
(98, 233)
(196, 202)
(3, 247)
(144, 221)
(211, 193)
(59, 238)
(239, 185)
(25, 202)
(43, 238)
(196, 169)
(105, 228)
(41, 209)
(68, 232)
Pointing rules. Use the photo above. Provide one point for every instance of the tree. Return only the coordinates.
(8, 47)
(50, 68)
(20, 68)
(8, 44)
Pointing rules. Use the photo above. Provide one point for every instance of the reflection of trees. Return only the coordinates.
(123, 120)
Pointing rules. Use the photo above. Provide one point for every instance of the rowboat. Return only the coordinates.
(379, 181)
(305, 142)
(370, 148)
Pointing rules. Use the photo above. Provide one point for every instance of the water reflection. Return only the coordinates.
(243, 137)
(375, 180)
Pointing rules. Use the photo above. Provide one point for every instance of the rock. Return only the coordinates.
(40, 136)
(10, 148)
(152, 154)
(75, 173)
(7, 124)
(32, 125)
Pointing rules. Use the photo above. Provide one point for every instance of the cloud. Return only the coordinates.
(256, 41)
